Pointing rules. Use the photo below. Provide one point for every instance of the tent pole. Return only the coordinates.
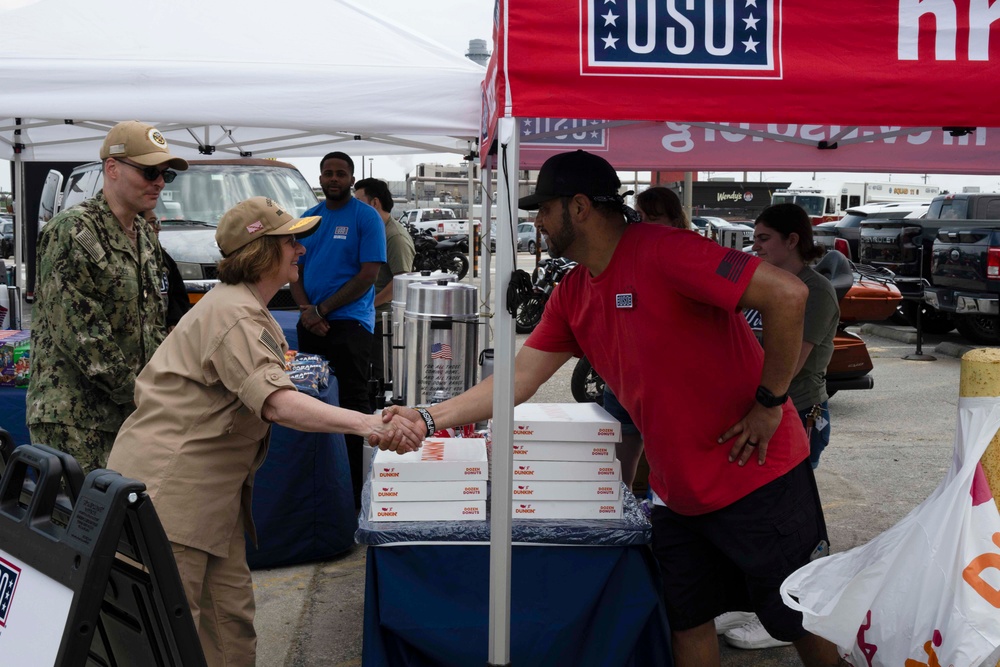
(19, 225)
(503, 399)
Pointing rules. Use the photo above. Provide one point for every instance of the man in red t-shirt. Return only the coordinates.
(656, 310)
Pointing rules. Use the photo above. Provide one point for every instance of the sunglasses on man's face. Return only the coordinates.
(152, 173)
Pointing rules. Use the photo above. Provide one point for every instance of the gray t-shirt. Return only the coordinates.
(822, 315)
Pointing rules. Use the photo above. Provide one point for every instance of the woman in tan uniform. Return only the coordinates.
(204, 407)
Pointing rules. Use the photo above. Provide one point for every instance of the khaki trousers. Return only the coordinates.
(220, 594)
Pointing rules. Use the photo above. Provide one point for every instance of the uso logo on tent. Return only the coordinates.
(714, 38)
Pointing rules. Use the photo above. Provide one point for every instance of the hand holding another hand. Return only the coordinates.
(313, 321)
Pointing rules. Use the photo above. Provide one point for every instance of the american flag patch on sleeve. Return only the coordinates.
(732, 265)
(268, 340)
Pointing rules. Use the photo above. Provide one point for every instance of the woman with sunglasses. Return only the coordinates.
(205, 405)
(98, 315)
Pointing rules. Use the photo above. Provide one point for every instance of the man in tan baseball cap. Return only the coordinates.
(256, 217)
(99, 272)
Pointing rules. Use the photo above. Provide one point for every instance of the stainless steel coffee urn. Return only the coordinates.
(400, 283)
(441, 329)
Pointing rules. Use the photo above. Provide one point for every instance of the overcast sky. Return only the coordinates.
(455, 22)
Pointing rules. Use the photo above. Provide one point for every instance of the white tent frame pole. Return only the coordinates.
(503, 400)
(20, 225)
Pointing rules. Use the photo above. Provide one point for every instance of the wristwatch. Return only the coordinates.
(768, 399)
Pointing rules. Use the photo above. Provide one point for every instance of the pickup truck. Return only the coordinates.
(965, 277)
(906, 247)
(440, 222)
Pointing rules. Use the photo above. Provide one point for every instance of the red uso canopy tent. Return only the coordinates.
(725, 84)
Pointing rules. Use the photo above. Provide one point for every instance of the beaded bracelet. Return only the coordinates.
(428, 420)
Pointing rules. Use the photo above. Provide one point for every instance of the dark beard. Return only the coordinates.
(559, 242)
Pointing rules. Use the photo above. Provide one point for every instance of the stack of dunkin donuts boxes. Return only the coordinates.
(564, 462)
(445, 480)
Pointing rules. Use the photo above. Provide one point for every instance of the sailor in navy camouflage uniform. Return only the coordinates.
(99, 314)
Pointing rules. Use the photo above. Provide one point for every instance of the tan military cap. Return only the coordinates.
(141, 143)
(257, 217)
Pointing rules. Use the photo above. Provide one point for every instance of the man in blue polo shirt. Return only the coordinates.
(336, 291)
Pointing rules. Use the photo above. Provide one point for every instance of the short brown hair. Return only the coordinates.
(249, 263)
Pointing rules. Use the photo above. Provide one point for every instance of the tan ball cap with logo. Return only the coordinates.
(141, 143)
(257, 217)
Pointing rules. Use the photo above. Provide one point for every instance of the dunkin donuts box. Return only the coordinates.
(565, 422)
(545, 490)
(472, 489)
(525, 450)
(566, 509)
(438, 459)
(596, 471)
(448, 510)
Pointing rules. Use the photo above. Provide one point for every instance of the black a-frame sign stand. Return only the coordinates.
(67, 598)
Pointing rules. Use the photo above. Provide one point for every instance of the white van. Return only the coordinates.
(190, 207)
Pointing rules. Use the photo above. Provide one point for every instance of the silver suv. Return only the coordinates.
(190, 207)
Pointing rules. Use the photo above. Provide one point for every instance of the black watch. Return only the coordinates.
(769, 400)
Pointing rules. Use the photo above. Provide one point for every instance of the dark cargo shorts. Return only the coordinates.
(734, 559)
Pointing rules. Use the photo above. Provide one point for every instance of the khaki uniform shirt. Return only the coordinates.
(98, 317)
(197, 438)
(399, 253)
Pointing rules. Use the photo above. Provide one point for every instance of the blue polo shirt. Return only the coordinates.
(343, 240)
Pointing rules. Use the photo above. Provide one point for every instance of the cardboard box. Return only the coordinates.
(423, 491)
(603, 471)
(566, 509)
(542, 490)
(449, 510)
(565, 422)
(438, 459)
(562, 451)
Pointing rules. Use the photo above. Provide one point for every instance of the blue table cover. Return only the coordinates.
(582, 593)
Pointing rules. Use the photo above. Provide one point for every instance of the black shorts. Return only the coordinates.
(734, 559)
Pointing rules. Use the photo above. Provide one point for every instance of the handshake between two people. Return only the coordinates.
(397, 429)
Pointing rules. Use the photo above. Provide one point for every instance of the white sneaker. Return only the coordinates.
(733, 619)
(752, 635)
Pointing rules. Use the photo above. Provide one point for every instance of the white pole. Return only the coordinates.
(503, 399)
(20, 223)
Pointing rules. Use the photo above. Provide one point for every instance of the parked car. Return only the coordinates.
(6, 236)
(190, 207)
(526, 237)
(845, 234)
(725, 232)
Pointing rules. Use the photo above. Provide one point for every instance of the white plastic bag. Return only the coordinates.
(927, 591)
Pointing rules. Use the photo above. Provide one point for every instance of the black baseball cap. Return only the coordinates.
(568, 174)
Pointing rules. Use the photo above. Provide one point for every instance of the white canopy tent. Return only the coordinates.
(227, 78)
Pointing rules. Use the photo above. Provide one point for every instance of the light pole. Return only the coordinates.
(371, 167)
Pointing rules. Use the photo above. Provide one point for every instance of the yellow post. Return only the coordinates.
(981, 377)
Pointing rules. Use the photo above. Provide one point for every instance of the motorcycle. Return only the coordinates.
(449, 255)
(543, 280)
(865, 294)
